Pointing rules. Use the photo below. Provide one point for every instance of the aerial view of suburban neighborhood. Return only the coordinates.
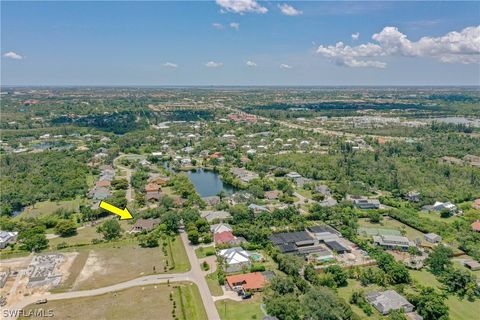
(240, 160)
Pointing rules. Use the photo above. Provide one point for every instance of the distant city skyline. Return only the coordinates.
(240, 43)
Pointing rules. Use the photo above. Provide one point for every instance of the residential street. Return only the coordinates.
(198, 278)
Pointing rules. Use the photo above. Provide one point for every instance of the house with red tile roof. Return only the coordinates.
(476, 226)
(103, 183)
(254, 281)
(216, 155)
(224, 237)
(476, 204)
(151, 187)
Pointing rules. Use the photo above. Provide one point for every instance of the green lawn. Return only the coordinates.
(177, 255)
(389, 223)
(202, 251)
(435, 216)
(212, 282)
(425, 278)
(463, 309)
(84, 236)
(355, 286)
(240, 310)
(47, 207)
(149, 302)
(458, 309)
(305, 193)
(189, 303)
(457, 263)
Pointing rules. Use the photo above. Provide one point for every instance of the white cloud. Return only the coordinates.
(213, 64)
(13, 55)
(251, 64)
(355, 36)
(217, 25)
(454, 47)
(288, 10)
(235, 25)
(285, 66)
(170, 65)
(241, 6)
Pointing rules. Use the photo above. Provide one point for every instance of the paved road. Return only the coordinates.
(199, 279)
(195, 275)
(128, 175)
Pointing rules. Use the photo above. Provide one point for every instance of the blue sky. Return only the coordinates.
(210, 43)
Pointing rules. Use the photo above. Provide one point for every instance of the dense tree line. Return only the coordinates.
(50, 175)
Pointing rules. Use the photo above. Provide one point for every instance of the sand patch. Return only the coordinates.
(94, 267)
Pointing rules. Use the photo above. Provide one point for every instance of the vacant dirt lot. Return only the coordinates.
(113, 264)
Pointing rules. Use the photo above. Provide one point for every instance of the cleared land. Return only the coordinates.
(151, 302)
(47, 207)
(108, 263)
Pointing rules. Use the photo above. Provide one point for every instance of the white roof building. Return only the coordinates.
(439, 206)
(235, 259)
(7, 237)
(220, 227)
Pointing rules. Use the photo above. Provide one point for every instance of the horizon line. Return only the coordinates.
(235, 86)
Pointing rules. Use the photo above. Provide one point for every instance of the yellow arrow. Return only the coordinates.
(124, 214)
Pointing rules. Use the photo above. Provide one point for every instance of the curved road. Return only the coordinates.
(128, 171)
(195, 275)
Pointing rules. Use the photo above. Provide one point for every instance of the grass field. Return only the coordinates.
(458, 309)
(178, 256)
(460, 265)
(212, 282)
(47, 207)
(202, 251)
(389, 223)
(463, 309)
(150, 302)
(84, 236)
(435, 216)
(189, 302)
(241, 310)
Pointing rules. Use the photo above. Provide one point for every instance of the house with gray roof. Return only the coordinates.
(393, 242)
(215, 215)
(363, 203)
(387, 301)
(299, 242)
(432, 237)
(7, 237)
(100, 193)
(257, 209)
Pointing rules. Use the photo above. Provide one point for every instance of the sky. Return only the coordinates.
(240, 42)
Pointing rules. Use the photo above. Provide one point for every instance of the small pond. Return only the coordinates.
(208, 183)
